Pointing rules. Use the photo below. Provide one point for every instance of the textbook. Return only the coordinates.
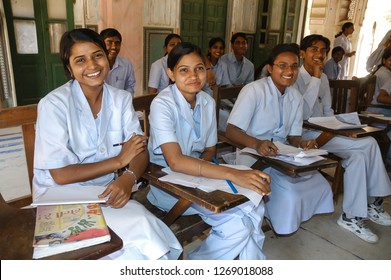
(64, 228)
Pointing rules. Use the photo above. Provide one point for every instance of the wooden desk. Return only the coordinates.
(291, 169)
(17, 232)
(216, 201)
(353, 133)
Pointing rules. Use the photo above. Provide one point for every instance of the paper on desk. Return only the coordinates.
(341, 121)
(209, 185)
(70, 195)
(293, 155)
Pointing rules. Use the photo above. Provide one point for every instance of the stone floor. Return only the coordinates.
(321, 238)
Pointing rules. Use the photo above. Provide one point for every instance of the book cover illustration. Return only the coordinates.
(62, 224)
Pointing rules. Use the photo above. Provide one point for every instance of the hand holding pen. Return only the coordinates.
(131, 148)
(267, 148)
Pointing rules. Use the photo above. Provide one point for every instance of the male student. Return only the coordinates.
(121, 73)
(240, 69)
(365, 179)
(332, 68)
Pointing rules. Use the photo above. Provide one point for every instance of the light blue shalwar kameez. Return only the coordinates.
(235, 232)
(67, 133)
(264, 113)
(365, 174)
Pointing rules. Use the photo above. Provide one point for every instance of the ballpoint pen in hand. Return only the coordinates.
(234, 190)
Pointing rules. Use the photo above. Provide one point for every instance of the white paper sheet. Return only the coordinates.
(341, 121)
(70, 195)
(293, 155)
(210, 185)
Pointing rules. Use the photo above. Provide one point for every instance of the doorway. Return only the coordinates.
(201, 20)
(35, 28)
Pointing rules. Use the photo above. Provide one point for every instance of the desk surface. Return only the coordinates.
(353, 133)
(216, 201)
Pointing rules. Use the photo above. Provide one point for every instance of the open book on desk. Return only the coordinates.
(209, 185)
(341, 121)
(70, 195)
(293, 155)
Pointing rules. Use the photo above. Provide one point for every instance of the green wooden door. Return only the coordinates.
(202, 20)
(34, 29)
(277, 23)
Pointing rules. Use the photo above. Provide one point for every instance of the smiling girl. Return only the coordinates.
(77, 125)
(183, 137)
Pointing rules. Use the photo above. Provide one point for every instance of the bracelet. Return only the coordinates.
(131, 172)
(199, 168)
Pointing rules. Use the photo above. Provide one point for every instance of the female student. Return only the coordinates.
(342, 40)
(270, 108)
(77, 125)
(383, 74)
(158, 79)
(183, 137)
(219, 68)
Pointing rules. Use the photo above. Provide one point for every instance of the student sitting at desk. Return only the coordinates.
(183, 137)
(77, 125)
(365, 174)
(158, 79)
(270, 108)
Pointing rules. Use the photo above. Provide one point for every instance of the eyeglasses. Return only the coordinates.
(284, 66)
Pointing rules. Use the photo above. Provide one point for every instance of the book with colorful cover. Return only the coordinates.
(64, 228)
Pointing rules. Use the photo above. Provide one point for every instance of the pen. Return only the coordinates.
(119, 144)
(234, 190)
(271, 148)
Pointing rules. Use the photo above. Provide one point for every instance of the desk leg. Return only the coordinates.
(177, 210)
(323, 138)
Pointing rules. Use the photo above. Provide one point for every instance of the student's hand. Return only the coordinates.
(119, 191)
(318, 69)
(351, 54)
(136, 145)
(309, 144)
(266, 148)
(255, 180)
(211, 77)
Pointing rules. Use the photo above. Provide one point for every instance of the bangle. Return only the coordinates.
(131, 172)
(199, 168)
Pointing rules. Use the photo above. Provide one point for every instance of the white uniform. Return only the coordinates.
(375, 59)
(344, 42)
(235, 232)
(67, 133)
(157, 76)
(264, 113)
(383, 75)
(365, 174)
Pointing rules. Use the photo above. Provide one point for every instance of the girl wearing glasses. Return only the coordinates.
(183, 137)
(270, 108)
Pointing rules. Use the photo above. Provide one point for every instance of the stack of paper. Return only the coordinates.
(293, 155)
(210, 185)
(341, 121)
(70, 195)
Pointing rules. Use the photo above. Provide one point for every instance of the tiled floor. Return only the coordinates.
(321, 238)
